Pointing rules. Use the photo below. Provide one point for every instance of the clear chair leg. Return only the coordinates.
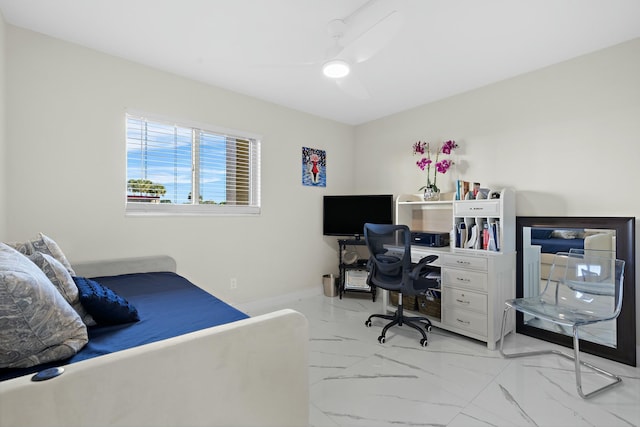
(575, 357)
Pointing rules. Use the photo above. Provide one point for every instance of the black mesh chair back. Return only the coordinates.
(389, 255)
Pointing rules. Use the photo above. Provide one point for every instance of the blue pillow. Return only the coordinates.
(105, 306)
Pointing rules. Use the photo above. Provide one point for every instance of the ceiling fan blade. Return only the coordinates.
(354, 87)
(374, 39)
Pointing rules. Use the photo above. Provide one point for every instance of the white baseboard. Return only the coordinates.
(261, 305)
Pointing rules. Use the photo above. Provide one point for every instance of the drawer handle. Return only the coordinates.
(463, 262)
(463, 279)
(462, 301)
(466, 322)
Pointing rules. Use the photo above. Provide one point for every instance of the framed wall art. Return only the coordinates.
(314, 167)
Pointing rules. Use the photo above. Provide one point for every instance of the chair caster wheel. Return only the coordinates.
(381, 339)
(423, 342)
(367, 323)
(428, 328)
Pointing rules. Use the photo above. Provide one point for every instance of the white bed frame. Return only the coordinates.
(253, 372)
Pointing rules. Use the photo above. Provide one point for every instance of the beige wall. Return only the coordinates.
(566, 138)
(3, 141)
(67, 170)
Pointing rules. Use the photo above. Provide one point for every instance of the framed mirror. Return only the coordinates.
(538, 238)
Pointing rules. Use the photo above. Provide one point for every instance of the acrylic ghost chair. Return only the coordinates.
(583, 288)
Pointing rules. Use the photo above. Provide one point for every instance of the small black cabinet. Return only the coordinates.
(353, 269)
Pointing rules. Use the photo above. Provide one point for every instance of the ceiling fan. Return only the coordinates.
(356, 39)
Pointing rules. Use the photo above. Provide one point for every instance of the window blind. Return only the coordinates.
(179, 169)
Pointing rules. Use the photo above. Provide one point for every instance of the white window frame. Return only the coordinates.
(163, 209)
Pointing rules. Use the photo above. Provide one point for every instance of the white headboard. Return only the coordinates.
(114, 267)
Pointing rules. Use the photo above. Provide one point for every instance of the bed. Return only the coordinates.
(551, 241)
(219, 368)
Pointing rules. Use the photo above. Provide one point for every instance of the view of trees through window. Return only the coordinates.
(170, 164)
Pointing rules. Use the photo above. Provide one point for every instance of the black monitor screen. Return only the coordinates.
(346, 215)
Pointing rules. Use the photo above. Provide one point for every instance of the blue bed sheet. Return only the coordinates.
(554, 245)
(168, 305)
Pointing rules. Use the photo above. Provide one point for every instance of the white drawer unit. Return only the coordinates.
(467, 262)
(464, 278)
(474, 288)
(466, 320)
(465, 300)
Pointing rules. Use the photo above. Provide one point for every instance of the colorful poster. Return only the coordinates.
(314, 167)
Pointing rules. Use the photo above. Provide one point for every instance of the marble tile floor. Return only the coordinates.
(455, 381)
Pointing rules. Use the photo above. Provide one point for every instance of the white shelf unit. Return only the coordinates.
(474, 282)
(419, 215)
(489, 211)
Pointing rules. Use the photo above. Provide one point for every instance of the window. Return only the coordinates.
(189, 169)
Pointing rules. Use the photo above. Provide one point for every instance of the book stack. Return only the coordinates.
(467, 190)
(478, 233)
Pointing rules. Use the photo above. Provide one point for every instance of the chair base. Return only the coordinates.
(615, 380)
(398, 318)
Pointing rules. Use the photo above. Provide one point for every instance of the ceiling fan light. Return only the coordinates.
(336, 68)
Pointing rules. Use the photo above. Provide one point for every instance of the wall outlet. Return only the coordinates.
(233, 283)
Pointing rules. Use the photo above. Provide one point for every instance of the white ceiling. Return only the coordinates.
(273, 49)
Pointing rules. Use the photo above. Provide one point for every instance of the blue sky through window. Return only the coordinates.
(163, 153)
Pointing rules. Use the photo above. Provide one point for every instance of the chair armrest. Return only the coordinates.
(415, 272)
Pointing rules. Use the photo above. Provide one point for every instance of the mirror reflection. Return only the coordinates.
(539, 245)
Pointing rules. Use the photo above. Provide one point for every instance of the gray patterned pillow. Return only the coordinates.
(37, 324)
(46, 245)
(25, 248)
(62, 280)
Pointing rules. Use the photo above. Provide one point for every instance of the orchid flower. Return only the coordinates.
(425, 162)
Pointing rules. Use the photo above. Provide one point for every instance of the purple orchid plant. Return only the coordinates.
(440, 166)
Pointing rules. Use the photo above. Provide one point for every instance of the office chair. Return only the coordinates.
(390, 268)
(583, 288)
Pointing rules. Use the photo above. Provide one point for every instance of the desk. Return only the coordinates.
(474, 286)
